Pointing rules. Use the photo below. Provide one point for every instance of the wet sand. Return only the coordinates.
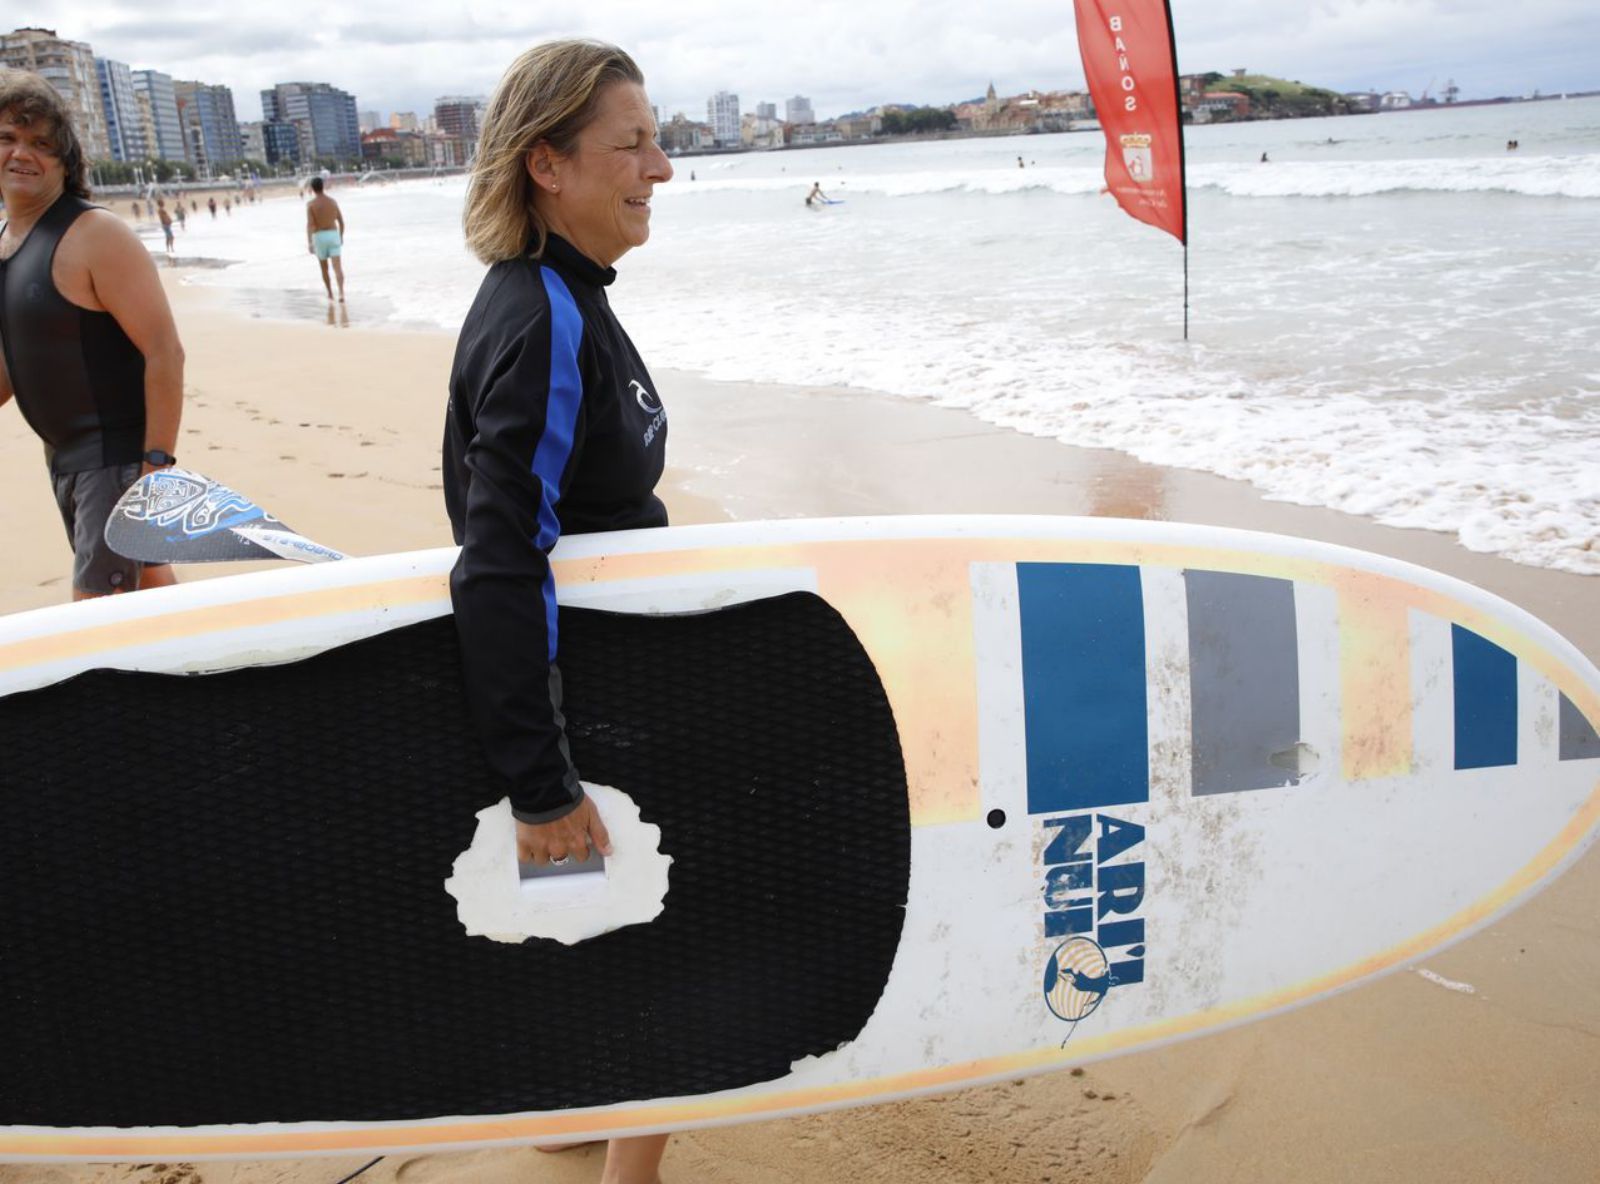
(336, 429)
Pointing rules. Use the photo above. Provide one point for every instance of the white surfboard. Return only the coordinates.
(1159, 780)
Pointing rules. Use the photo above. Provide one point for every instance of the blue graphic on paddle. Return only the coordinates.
(177, 516)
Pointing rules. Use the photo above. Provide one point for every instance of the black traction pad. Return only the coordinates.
(222, 896)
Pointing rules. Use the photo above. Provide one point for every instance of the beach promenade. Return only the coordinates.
(1488, 1071)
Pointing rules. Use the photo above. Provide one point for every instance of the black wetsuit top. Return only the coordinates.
(79, 380)
(554, 427)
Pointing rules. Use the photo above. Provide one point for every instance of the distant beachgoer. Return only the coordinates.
(1019, 163)
(1263, 158)
(816, 197)
(194, 206)
(325, 234)
(212, 202)
(136, 212)
(227, 206)
(691, 174)
(91, 352)
(166, 223)
(183, 219)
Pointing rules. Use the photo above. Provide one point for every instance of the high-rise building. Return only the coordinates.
(323, 116)
(253, 141)
(403, 121)
(68, 66)
(798, 110)
(124, 127)
(722, 113)
(368, 120)
(766, 110)
(210, 129)
(163, 132)
(458, 115)
(280, 142)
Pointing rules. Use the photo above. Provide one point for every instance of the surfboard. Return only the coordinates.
(900, 806)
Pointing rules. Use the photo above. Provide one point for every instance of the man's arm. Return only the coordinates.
(311, 225)
(127, 284)
(339, 217)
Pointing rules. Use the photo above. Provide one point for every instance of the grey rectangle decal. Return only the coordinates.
(1244, 678)
(1579, 740)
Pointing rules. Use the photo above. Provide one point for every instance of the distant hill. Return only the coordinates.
(1279, 98)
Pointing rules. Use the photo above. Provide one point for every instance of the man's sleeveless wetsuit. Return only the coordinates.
(79, 380)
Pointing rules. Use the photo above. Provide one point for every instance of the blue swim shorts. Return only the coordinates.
(327, 244)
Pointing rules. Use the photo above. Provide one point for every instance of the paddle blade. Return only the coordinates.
(175, 516)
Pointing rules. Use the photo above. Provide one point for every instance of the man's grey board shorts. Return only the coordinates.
(85, 500)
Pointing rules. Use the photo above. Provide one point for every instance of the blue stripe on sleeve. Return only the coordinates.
(560, 425)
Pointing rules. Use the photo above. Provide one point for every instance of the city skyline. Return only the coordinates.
(845, 57)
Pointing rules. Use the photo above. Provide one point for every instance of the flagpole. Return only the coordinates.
(1183, 165)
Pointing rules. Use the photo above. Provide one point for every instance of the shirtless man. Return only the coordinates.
(325, 234)
(88, 346)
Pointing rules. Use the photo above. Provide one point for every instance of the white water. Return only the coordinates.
(1403, 322)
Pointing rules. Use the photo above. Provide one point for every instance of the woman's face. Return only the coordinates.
(598, 197)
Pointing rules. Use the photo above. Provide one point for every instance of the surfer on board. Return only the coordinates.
(88, 343)
(816, 197)
(554, 425)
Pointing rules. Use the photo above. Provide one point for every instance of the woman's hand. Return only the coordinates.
(568, 836)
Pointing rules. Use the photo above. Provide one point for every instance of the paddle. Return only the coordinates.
(175, 516)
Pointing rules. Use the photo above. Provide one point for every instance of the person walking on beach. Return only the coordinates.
(325, 234)
(554, 427)
(183, 219)
(212, 203)
(90, 350)
(165, 216)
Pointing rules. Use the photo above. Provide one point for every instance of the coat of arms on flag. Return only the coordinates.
(1136, 155)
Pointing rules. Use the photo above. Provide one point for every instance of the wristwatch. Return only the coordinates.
(159, 458)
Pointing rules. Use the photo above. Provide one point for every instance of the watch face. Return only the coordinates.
(156, 457)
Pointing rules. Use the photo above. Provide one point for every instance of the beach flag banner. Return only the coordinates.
(1130, 60)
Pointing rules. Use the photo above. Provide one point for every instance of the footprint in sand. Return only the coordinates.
(162, 1173)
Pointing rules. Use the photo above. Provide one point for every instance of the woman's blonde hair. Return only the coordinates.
(549, 94)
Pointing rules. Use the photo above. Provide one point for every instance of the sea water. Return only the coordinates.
(1394, 315)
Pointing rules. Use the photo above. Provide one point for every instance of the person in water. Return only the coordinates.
(325, 234)
(816, 197)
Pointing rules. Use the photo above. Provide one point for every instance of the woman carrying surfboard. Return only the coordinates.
(554, 425)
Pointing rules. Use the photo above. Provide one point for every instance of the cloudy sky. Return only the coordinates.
(844, 54)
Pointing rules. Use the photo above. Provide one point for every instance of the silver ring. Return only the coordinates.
(562, 862)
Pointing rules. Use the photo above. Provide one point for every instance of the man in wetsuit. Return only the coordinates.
(87, 340)
(325, 234)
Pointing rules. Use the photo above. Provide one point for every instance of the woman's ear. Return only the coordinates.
(541, 163)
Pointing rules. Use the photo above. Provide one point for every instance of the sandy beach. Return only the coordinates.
(336, 427)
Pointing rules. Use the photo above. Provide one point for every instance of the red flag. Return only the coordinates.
(1131, 63)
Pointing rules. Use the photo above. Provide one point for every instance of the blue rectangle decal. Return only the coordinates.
(1486, 701)
(1084, 691)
